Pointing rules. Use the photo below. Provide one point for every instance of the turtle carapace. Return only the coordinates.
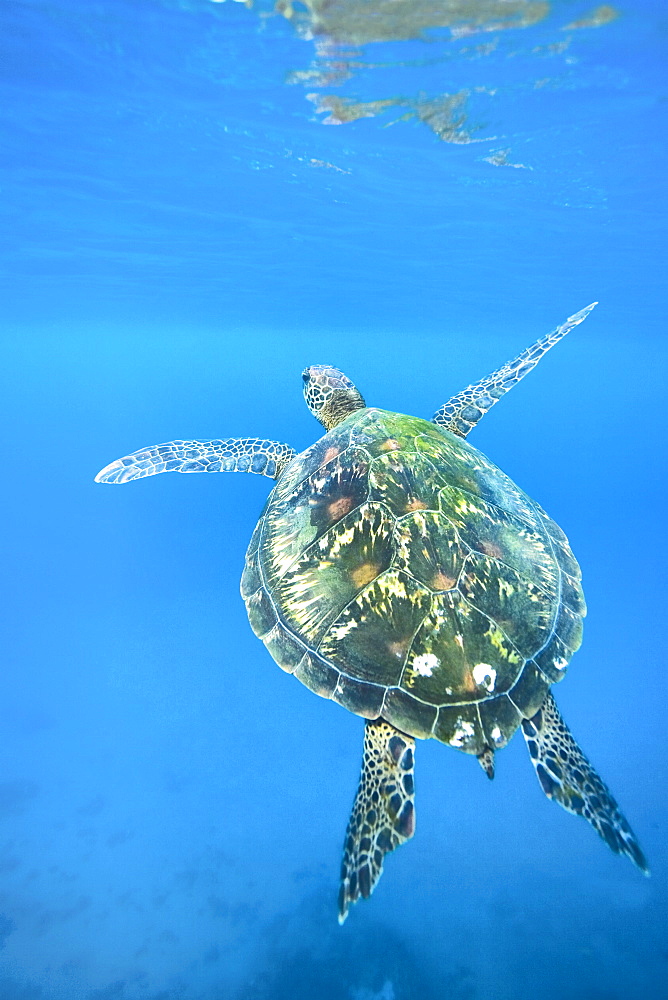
(398, 572)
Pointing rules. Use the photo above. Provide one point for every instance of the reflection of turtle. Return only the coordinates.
(400, 573)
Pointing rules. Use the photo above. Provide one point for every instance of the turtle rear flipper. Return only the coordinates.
(566, 776)
(383, 814)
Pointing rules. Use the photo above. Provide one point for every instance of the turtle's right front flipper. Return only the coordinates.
(266, 458)
(383, 814)
(462, 412)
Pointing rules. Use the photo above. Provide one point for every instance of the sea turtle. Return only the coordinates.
(400, 573)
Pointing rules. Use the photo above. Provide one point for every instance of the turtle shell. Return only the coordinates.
(397, 571)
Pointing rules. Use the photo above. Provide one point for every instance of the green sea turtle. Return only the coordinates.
(400, 573)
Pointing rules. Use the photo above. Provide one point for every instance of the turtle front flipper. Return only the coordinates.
(566, 776)
(383, 814)
(461, 413)
(266, 458)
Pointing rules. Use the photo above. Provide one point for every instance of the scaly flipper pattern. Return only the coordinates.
(266, 458)
(383, 814)
(567, 777)
(461, 413)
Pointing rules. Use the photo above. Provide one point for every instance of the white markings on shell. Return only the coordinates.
(463, 733)
(341, 631)
(425, 664)
(485, 676)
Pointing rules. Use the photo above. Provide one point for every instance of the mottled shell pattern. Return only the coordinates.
(397, 571)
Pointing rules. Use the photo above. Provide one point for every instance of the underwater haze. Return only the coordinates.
(198, 200)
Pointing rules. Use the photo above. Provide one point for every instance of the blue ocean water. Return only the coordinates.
(182, 234)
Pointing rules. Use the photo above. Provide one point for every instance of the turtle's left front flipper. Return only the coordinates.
(566, 776)
(266, 458)
(383, 814)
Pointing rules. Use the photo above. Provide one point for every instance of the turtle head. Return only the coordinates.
(329, 395)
